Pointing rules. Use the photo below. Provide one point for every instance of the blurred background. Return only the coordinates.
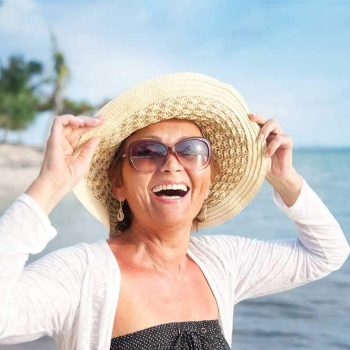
(289, 60)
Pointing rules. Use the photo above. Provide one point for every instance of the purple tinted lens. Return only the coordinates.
(193, 153)
(147, 155)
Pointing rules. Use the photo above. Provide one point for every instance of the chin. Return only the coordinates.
(174, 220)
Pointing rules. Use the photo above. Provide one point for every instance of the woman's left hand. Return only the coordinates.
(280, 173)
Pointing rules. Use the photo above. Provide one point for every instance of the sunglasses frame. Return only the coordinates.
(169, 150)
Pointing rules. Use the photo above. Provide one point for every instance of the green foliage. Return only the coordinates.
(21, 98)
(68, 106)
(76, 108)
(60, 67)
(19, 82)
(56, 102)
(17, 111)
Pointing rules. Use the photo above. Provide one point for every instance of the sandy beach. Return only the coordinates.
(19, 166)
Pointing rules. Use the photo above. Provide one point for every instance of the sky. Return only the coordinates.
(289, 59)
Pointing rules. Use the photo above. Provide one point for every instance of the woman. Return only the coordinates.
(173, 154)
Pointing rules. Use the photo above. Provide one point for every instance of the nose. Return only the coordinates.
(171, 164)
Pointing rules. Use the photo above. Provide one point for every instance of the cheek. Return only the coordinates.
(202, 182)
(136, 189)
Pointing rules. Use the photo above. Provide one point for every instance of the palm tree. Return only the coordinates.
(56, 102)
(19, 85)
(60, 78)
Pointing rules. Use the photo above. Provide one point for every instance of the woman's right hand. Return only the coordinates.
(61, 170)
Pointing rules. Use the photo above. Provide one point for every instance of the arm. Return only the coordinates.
(265, 267)
(40, 298)
(62, 168)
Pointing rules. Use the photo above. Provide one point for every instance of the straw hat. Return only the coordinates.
(219, 111)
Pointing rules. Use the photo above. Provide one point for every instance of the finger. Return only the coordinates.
(88, 149)
(75, 134)
(71, 128)
(270, 127)
(279, 141)
(101, 117)
(84, 124)
(262, 121)
(60, 125)
(67, 120)
(91, 121)
(257, 118)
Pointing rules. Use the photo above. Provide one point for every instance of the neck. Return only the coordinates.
(163, 250)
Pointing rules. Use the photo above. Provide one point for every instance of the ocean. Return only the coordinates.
(314, 316)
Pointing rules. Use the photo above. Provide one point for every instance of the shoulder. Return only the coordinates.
(220, 247)
(97, 252)
(212, 242)
(76, 257)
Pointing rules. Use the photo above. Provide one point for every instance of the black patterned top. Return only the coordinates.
(186, 335)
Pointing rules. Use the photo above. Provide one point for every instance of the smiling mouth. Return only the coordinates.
(170, 193)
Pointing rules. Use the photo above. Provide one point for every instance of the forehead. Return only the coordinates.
(167, 130)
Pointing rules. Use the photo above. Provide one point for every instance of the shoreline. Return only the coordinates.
(20, 165)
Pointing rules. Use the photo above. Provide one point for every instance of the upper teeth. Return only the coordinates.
(170, 187)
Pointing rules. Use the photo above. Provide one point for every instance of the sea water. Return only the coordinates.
(314, 316)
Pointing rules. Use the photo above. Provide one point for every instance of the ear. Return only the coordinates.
(118, 191)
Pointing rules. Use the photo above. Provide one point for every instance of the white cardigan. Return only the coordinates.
(71, 294)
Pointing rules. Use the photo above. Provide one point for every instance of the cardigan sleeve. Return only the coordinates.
(40, 298)
(264, 267)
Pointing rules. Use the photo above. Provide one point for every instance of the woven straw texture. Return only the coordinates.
(218, 110)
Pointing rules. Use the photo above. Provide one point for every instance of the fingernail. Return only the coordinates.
(261, 137)
(267, 154)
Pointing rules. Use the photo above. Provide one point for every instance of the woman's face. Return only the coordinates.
(139, 189)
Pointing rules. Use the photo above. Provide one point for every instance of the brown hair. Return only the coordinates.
(116, 177)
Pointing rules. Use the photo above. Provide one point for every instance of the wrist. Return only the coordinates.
(46, 193)
(288, 186)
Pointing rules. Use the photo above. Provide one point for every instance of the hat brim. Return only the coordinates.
(219, 111)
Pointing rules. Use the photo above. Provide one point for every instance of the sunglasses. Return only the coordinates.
(146, 156)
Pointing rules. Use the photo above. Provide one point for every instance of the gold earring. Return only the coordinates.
(120, 214)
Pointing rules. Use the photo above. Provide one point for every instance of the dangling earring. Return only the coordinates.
(120, 214)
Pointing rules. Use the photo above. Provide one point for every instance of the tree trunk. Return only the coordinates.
(4, 135)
